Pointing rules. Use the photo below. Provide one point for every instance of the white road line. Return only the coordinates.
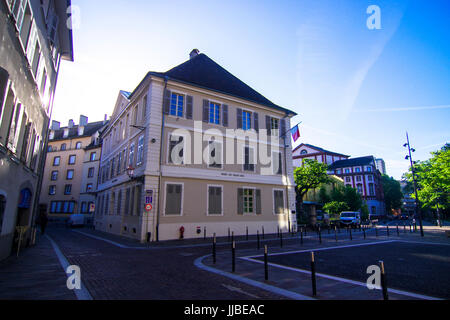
(326, 276)
(83, 293)
(323, 249)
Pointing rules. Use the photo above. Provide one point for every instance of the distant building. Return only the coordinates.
(34, 38)
(71, 168)
(362, 174)
(308, 151)
(381, 166)
(409, 203)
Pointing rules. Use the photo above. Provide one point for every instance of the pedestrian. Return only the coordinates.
(43, 220)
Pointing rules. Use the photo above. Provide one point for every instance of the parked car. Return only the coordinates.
(76, 220)
(350, 218)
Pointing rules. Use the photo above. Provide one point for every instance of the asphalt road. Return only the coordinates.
(413, 267)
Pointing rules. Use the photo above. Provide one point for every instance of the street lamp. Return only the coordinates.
(130, 172)
(409, 157)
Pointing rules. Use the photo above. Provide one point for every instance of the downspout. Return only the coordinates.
(161, 160)
(287, 176)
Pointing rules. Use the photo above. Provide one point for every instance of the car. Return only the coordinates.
(404, 217)
(76, 220)
(350, 218)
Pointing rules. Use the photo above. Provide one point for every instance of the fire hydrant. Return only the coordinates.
(181, 232)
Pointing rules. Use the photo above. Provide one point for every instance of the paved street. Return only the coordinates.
(114, 268)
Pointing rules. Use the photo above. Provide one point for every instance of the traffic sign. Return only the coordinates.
(148, 207)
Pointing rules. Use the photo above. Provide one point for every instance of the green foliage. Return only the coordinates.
(323, 195)
(334, 208)
(433, 179)
(365, 211)
(393, 195)
(347, 195)
(310, 176)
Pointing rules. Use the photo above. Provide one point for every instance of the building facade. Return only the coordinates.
(308, 151)
(71, 169)
(362, 174)
(154, 152)
(34, 38)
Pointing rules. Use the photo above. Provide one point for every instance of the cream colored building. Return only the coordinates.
(32, 45)
(198, 101)
(71, 169)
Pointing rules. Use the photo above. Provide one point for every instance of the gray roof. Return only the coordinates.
(361, 161)
(89, 130)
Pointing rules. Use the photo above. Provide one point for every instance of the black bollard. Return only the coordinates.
(383, 281)
(387, 230)
(204, 233)
(228, 234)
(313, 274)
(263, 232)
(214, 249)
(281, 239)
(364, 232)
(404, 228)
(266, 264)
(301, 236)
(335, 233)
(398, 232)
(233, 257)
(232, 236)
(278, 231)
(246, 235)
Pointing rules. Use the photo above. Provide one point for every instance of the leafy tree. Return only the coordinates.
(433, 180)
(393, 195)
(334, 208)
(307, 177)
(346, 194)
(365, 211)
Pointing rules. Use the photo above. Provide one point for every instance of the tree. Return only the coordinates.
(393, 195)
(433, 180)
(309, 176)
(334, 208)
(346, 194)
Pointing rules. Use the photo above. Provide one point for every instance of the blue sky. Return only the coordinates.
(356, 90)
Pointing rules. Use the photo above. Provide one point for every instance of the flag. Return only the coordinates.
(295, 133)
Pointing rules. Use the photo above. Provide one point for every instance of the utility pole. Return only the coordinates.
(418, 211)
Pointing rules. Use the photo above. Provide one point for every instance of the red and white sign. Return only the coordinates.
(148, 207)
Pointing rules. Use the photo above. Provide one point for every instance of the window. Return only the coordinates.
(119, 203)
(304, 152)
(113, 161)
(72, 159)
(347, 170)
(369, 169)
(358, 178)
(144, 108)
(278, 201)
(56, 161)
(176, 105)
(214, 200)
(338, 171)
(119, 163)
(54, 176)
(360, 188)
(369, 178)
(89, 187)
(91, 172)
(68, 189)
(274, 126)
(93, 156)
(357, 169)
(176, 149)
(246, 120)
(63, 147)
(78, 145)
(131, 157)
(174, 199)
(69, 174)
(52, 190)
(277, 163)
(140, 151)
(84, 207)
(348, 179)
(215, 154)
(248, 200)
(249, 162)
(214, 113)
(371, 189)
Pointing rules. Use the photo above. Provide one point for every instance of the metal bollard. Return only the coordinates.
(228, 234)
(233, 257)
(398, 232)
(383, 281)
(281, 239)
(263, 232)
(387, 230)
(266, 264)
(335, 233)
(204, 233)
(313, 274)
(301, 236)
(364, 232)
(214, 249)
(232, 236)
(246, 234)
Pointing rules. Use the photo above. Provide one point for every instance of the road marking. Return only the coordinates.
(83, 293)
(239, 290)
(326, 276)
(322, 249)
(282, 292)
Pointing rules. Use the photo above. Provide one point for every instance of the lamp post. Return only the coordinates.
(409, 157)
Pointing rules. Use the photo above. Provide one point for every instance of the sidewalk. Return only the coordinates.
(35, 275)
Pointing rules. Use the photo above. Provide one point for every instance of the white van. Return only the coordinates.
(350, 218)
(76, 220)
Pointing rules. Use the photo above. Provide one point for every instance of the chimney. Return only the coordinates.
(193, 54)
(106, 119)
(83, 120)
(71, 123)
(55, 125)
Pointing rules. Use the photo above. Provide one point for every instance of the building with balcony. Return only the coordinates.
(35, 37)
(71, 169)
(190, 143)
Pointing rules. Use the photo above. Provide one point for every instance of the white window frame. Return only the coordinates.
(140, 151)
(273, 167)
(221, 155)
(178, 94)
(165, 199)
(254, 201)
(207, 200)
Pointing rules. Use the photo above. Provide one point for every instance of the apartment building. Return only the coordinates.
(381, 165)
(308, 151)
(35, 37)
(154, 179)
(362, 174)
(71, 169)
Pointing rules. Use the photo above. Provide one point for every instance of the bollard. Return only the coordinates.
(257, 239)
(313, 274)
(266, 265)
(383, 281)
(387, 230)
(233, 257)
(415, 226)
(398, 232)
(360, 227)
(335, 233)
(263, 232)
(204, 233)
(281, 239)
(320, 236)
(301, 236)
(350, 231)
(228, 234)
(364, 232)
(232, 236)
(246, 235)
(214, 249)
(278, 231)
(305, 230)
